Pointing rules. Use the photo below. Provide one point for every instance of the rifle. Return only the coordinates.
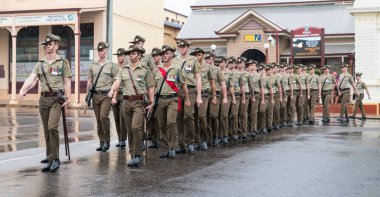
(90, 93)
(65, 133)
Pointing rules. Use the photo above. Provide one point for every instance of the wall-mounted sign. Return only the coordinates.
(5, 21)
(307, 41)
(46, 19)
(252, 38)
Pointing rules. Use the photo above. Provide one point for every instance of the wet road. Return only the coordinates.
(333, 160)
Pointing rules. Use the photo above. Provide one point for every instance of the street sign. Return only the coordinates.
(252, 38)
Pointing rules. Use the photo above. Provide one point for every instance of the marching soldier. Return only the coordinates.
(277, 91)
(190, 68)
(152, 125)
(146, 60)
(346, 80)
(221, 97)
(137, 82)
(208, 86)
(101, 74)
(303, 94)
(54, 75)
(328, 82)
(267, 97)
(224, 108)
(284, 80)
(117, 104)
(290, 103)
(238, 97)
(360, 86)
(254, 96)
(168, 78)
(306, 116)
(243, 109)
(315, 86)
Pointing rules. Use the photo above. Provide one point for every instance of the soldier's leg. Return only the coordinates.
(96, 104)
(255, 110)
(262, 112)
(234, 112)
(356, 106)
(123, 128)
(213, 117)
(104, 118)
(137, 125)
(269, 114)
(326, 105)
(300, 105)
(361, 97)
(243, 118)
(162, 122)
(345, 100)
(171, 122)
(116, 116)
(276, 111)
(127, 114)
(182, 135)
(306, 109)
(313, 101)
(224, 117)
(293, 108)
(202, 118)
(189, 123)
(54, 117)
(44, 109)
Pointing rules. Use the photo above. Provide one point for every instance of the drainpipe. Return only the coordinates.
(109, 26)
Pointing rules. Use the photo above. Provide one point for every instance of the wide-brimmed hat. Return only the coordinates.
(102, 45)
(133, 48)
(120, 51)
(358, 74)
(183, 43)
(312, 66)
(156, 51)
(251, 61)
(167, 48)
(50, 38)
(344, 66)
(209, 54)
(197, 50)
(326, 67)
(138, 38)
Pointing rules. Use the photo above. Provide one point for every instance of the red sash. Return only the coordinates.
(172, 86)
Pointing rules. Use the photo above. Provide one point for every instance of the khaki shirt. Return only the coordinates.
(256, 82)
(107, 76)
(189, 69)
(303, 79)
(360, 86)
(237, 80)
(206, 76)
(174, 75)
(141, 76)
(327, 82)
(146, 60)
(345, 81)
(295, 81)
(246, 80)
(218, 76)
(228, 76)
(313, 82)
(285, 82)
(55, 73)
(275, 83)
(265, 84)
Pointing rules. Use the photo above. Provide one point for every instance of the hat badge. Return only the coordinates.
(136, 39)
(47, 39)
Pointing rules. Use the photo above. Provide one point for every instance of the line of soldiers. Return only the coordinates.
(188, 102)
(194, 100)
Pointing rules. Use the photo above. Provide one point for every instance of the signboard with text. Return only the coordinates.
(46, 19)
(252, 38)
(307, 41)
(5, 20)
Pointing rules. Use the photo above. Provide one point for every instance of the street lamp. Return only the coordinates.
(213, 48)
(266, 47)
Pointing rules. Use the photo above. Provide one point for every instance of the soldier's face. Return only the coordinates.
(251, 67)
(267, 71)
(240, 65)
(183, 49)
(299, 70)
(121, 58)
(102, 53)
(231, 65)
(209, 60)
(139, 44)
(358, 78)
(51, 47)
(156, 58)
(222, 64)
(199, 56)
(166, 57)
(134, 56)
(344, 69)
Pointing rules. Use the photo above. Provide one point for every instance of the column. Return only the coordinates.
(14, 39)
(77, 70)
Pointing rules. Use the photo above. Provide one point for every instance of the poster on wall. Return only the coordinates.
(307, 41)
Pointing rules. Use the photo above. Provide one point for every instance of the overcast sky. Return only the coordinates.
(181, 6)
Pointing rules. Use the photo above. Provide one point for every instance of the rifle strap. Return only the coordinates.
(340, 84)
(162, 84)
(133, 82)
(47, 81)
(324, 83)
(97, 77)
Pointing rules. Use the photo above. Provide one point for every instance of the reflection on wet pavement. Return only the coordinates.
(21, 128)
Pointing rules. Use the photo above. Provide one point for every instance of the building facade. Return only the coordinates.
(81, 26)
(173, 23)
(243, 28)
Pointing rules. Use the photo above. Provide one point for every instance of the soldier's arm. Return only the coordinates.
(224, 89)
(279, 89)
(30, 82)
(366, 89)
(232, 91)
(67, 86)
(319, 88)
(353, 85)
(213, 89)
(114, 88)
(199, 86)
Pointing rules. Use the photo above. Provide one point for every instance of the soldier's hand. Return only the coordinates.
(263, 102)
(113, 101)
(301, 95)
(66, 104)
(199, 101)
(308, 97)
(110, 94)
(340, 94)
(149, 108)
(234, 101)
(291, 97)
(213, 101)
(253, 99)
(272, 101)
(225, 101)
(357, 93)
(285, 100)
(187, 103)
(280, 99)
(21, 94)
(243, 101)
